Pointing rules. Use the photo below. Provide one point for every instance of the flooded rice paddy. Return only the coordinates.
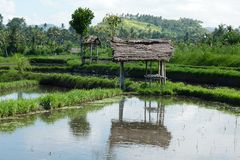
(134, 128)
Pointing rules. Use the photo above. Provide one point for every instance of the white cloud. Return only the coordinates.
(7, 9)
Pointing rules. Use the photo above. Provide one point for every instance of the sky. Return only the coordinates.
(210, 12)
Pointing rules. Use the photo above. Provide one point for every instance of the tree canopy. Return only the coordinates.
(81, 19)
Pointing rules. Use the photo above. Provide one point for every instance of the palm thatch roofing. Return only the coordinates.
(92, 40)
(141, 50)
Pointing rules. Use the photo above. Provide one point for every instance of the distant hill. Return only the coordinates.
(181, 29)
(137, 25)
(147, 26)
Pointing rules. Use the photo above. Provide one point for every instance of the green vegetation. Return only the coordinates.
(197, 75)
(6, 86)
(137, 25)
(205, 55)
(54, 101)
(10, 125)
(225, 95)
(112, 21)
(71, 81)
(18, 37)
(200, 57)
(81, 19)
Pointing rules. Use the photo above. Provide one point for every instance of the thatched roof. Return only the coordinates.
(92, 40)
(141, 50)
(139, 133)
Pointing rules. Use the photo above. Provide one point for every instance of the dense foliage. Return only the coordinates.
(81, 19)
(54, 101)
(18, 37)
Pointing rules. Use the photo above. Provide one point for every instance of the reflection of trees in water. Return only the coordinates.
(79, 126)
(9, 126)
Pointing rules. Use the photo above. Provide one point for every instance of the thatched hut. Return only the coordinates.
(92, 42)
(159, 50)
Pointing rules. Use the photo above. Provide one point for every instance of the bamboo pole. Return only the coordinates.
(97, 54)
(122, 78)
(91, 56)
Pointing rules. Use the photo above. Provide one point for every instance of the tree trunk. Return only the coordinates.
(82, 53)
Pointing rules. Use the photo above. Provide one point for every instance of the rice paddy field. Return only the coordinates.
(78, 111)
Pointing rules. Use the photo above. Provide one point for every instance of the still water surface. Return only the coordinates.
(132, 128)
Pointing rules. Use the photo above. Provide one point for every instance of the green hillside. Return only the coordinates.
(146, 26)
(137, 25)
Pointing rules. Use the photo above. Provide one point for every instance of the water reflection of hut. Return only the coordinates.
(146, 132)
(93, 42)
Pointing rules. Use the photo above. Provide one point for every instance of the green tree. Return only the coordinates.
(4, 41)
(81, 19)
(17, 23)
(16, 39)
(113, 22)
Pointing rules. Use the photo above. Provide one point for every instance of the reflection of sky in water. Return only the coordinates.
(20, 95)
(196, 133)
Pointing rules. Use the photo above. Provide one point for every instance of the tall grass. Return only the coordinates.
(225, 95)
(6, 86)
(72, 81)
(54, 101)
(195, 75)
(204, 55)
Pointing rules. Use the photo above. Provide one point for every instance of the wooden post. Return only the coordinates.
(91, 48)
(122, 78)
(149, 111)
(121, 106)
(145, 111)
(150, 72)
(146, 68)
(97, 53)
(159, 70)
(146, 71)
(164, 72)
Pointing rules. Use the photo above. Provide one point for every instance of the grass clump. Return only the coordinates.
(205, 55)
(6, 86)
(72, 81)
(54, 101)
(224, 95)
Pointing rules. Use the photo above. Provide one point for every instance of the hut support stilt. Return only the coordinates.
(91, 52)
(122, 78)
(150, 72)
(97, 54)
(159, 71)
(162, 71)
(121, 106)
(146, 71)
